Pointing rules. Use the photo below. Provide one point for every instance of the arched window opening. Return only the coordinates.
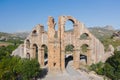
(69, 49)
(69, 25)
(84, 36)
(84, 48)
(28, 56)
(34, 33)
(27, 44)
(35, 50)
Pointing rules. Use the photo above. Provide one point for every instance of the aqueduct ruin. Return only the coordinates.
(39, 42)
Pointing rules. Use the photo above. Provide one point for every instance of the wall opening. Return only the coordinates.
(45, 49)
(84, 48)
(35, 50)
(84, 36)
(28, 43)
(54, 64)
(83, 54)
(69, 49)
(68, 54)
(69, 25)
(34, 33)
(83, 59)
(28, 55)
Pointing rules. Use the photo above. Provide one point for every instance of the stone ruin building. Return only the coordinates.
(56, 41)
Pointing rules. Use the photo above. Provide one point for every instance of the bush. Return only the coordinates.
(98, 68)
(28, 68)
(14, 68)
(111, 68)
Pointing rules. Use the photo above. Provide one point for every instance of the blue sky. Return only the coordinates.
(23, 15)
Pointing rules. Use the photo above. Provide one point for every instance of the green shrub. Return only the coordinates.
(98, 68)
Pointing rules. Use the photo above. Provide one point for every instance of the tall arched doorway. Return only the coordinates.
(68, 54)
(35, 51)
(28, 43)
(44, 53)
(83, 54)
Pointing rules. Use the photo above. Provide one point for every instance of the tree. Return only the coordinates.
(113, 64)
(28, 69)
(111, 68)
(12, 68)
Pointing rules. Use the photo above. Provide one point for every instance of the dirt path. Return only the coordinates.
(72, 74)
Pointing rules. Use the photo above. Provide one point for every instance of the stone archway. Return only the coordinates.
(56, 41)
(35, 51)
(84, 36)
(44, 55)
(68, 53)
(28, 55)
(85, 54)
(28, 43)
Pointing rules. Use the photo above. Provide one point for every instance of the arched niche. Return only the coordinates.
(34, 33)
(68, 53)
(45, 48)
(84, 36)
(69, 48)
(84, 48)
(44, 53)
(28, 43)
(35, 51)
(84, 54)
(28, 55)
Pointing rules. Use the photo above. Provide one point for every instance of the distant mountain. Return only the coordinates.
(4, 34)
(109, 27)
(18, 35)
(102, 32)
(99, 32)
(21, 34)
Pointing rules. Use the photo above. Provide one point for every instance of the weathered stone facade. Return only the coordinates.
(56, 41)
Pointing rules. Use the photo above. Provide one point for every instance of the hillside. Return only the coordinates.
(99, 32)
(17, 35)
(102, 32)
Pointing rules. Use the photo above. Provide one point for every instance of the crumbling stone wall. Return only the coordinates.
(56, 41)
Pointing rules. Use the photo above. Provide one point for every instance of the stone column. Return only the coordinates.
(76, 59)
(39, 56)
(32, 53)
(42, 57)
(62, 61)
(88, 56)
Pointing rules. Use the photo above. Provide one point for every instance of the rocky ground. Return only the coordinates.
(72, 74)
